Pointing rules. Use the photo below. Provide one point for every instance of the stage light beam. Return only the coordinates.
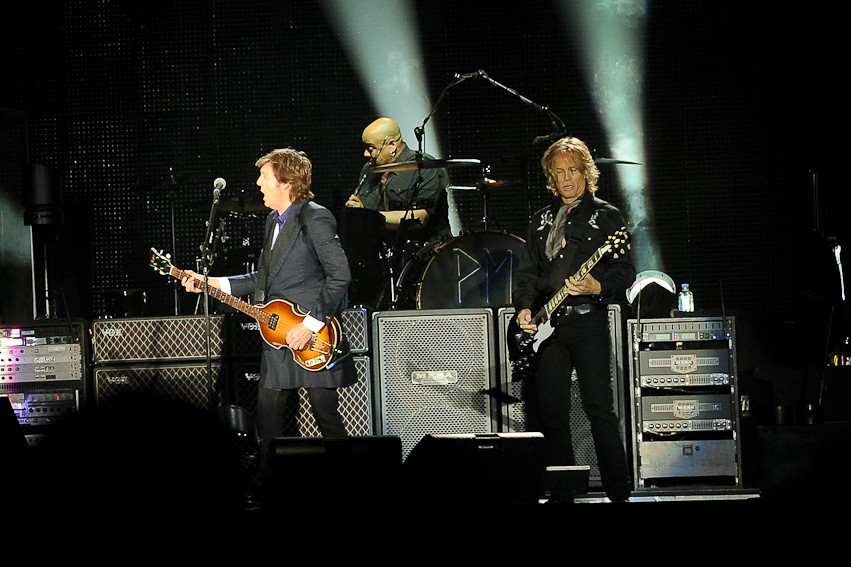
(381, 39)
(609, 36)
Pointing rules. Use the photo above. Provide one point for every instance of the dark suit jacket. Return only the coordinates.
(307, 267)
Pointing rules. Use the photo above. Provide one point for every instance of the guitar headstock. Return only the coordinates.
(161, 262)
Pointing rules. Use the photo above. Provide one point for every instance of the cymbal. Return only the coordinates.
(488, 183)
(425, 164)
(615, 161)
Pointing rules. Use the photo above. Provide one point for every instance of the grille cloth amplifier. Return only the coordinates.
(433, 371)
(155, 339)
(355, 326)
(355, 401)
(184, 382)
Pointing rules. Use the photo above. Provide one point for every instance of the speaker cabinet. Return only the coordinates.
(355, 401)
(155, 339)
(183, 382)
(513, 414)
(476, 469)
(355, 323)
(434, 371)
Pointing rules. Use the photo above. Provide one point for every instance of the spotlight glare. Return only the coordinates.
(609, 37)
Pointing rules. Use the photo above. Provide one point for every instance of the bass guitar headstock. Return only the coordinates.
(161, 262)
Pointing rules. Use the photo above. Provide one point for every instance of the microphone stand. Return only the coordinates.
(560, 129)
(402, 231)
(558, 125)
(206, 260)
(171, 197)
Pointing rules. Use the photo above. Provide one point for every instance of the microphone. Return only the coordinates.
(549, 138)
(218, 186)
(362, 179)
(473, 75)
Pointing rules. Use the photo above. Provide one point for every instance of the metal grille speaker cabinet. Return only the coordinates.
(181, 382)
(434, 372)
(305, 473)
(355, 401)
(513, 415)
(355, 323)
(155, 339)
(481, 469)
(355, 405)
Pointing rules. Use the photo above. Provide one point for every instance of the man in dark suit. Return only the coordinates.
(302, 262)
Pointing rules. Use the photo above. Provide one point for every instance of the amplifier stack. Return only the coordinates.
(43, 373)
(164, 356)
(685, 402)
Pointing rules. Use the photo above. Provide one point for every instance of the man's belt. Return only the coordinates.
(581, 309)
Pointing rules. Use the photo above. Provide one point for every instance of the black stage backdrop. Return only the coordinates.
(140, 105)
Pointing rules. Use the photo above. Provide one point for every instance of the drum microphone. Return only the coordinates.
(549, 138)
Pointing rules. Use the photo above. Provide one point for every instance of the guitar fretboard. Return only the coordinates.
(560, 296)
(235, 302)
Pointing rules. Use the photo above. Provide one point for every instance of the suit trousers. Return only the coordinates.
(272, 413)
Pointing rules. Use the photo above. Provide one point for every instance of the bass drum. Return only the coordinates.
(472, 270)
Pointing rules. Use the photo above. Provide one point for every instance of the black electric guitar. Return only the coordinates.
(275, 319)
(527, 343)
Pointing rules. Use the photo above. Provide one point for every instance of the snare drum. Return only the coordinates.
(472, 270)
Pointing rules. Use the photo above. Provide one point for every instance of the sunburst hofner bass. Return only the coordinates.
(275, 319)
(543, 318)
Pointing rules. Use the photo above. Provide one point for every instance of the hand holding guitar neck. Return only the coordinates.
(276, 319)
(194, 282)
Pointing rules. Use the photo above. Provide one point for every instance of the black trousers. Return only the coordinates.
(580, 342)
(272, 412)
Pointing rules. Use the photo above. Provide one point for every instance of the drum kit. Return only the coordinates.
(474, 269)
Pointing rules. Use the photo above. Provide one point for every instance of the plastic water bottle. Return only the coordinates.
(686, 300)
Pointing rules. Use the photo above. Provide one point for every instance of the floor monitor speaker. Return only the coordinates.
(476, 469)
(313, 473)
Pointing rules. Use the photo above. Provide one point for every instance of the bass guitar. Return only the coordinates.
(275, 319)
(527, 343)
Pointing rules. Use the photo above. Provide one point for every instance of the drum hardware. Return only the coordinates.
(425, 164)
(484, 187)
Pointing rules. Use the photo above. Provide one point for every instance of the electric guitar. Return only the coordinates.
(275, 319)
(543, 318)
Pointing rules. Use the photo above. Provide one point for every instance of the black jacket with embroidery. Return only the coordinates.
(538, 278)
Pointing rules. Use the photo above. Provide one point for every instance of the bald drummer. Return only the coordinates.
(390, 192)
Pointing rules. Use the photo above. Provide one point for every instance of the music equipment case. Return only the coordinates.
(684, 403)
